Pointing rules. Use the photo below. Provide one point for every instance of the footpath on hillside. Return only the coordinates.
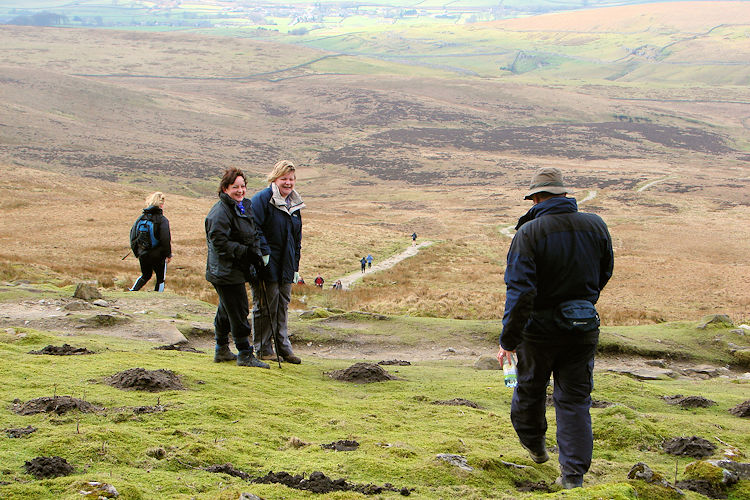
(349, 280)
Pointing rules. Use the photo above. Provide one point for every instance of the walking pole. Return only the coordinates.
(271, 320)
(126, 256)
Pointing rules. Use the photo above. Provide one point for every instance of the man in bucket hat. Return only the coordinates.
(558, 263)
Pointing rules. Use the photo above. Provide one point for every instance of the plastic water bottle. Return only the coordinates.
(509, 371)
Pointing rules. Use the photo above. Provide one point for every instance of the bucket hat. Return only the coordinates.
(549, 180)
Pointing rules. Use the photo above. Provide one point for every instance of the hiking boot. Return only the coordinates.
(569, 482)
(291, 358)
(223, 353)
(538, 456)
(246, 358)
(268, 357)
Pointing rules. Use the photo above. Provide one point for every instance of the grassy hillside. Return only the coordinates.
(159, 444)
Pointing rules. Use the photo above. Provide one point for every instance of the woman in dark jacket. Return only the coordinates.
(232, 253)
(152, 246)
(277, 215)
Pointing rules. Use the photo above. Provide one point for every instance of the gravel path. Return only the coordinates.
(349, 280)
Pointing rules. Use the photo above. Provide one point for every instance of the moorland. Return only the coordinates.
(433, 129)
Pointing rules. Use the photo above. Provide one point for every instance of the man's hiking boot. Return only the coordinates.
(247, 358)
(291, 358)
(268, 357)
(569, 482)
(538, 456)
(223, 353)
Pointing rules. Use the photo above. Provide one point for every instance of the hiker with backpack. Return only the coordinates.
(232, 260)
(151, 242)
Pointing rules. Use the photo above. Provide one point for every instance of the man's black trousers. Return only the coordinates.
(572, 366)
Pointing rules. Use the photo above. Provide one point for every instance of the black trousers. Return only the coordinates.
(231, 316)
(149, 267)
(572, 366)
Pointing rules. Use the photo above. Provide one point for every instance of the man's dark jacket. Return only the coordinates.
(558, 254)
(161, 232)
(280, 234)
(232, 242)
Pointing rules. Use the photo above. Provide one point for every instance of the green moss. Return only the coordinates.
(706, 471)
(742, 358)
(621, 427)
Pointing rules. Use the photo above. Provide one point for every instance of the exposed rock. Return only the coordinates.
(77, 305)
(249, 496)
(202, 330)
(705, 371)
(100, 303)
(456, 460)
(659, 363)
(645, 373)
(741, 469)
(394, 362)
(487, 363)
(87, 291)
(643, 472)
(99, 490)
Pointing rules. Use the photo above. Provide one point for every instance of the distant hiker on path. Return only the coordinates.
(337, 285)
(558, 262)
(278, 217)
(413, 239)
(151, 242)
(319, 281)
(233, 254)
(363, 263)
(369, 260)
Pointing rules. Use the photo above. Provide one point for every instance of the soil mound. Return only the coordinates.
(396, 362)
(138, 410)
(741, 410)
(20, 431)
(689, 446)
(228, 469)
(55, 404)
(458, 402)
(600, 403)
(362, 373)
(701, 486)
(63, 350)
(46, 467)
(341, 445)
(140, 379)
(689, 401)
(178, 347)
(528, 486)
(320, 483)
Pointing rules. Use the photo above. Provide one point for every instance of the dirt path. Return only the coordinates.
(349, 280)
(649, 184)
